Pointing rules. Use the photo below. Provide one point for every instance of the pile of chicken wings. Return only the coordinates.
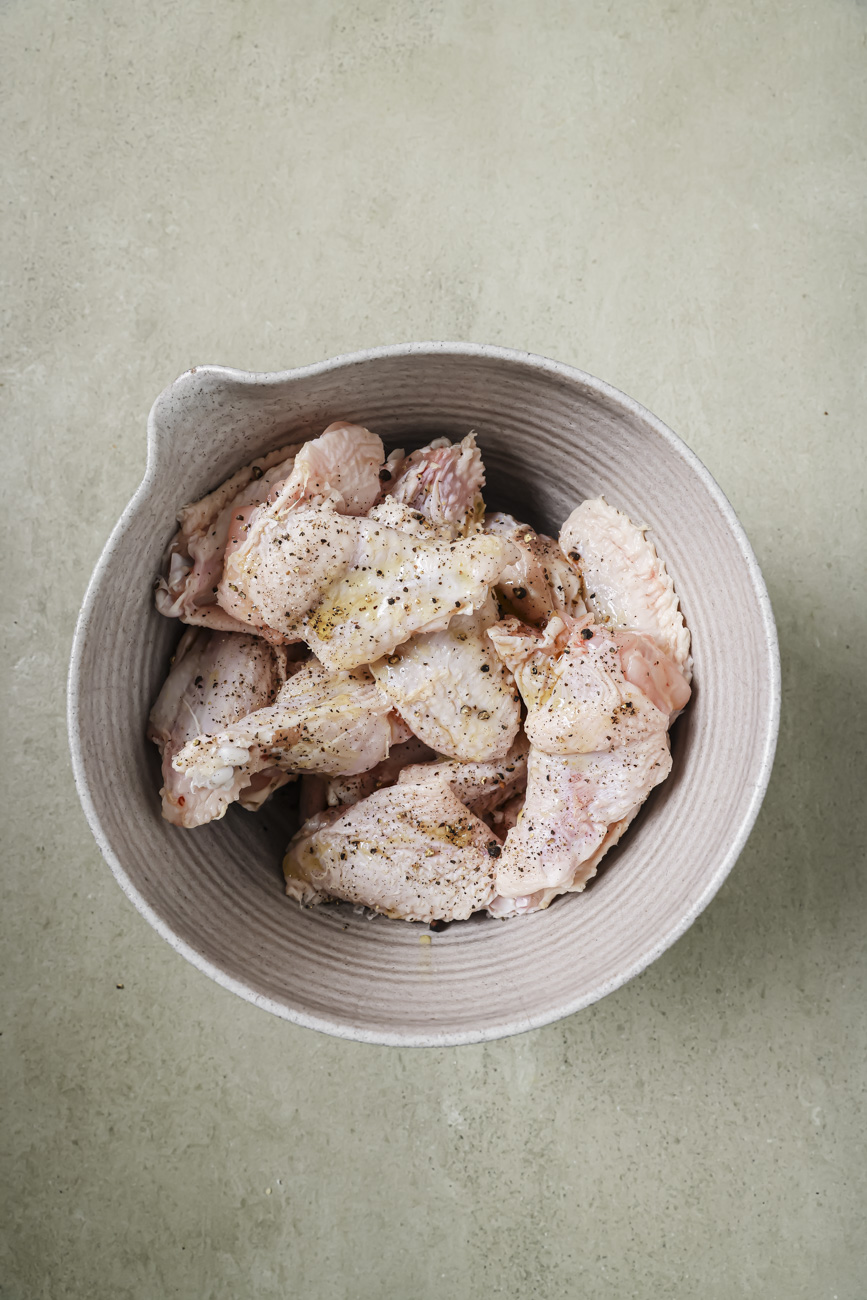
(475, 712)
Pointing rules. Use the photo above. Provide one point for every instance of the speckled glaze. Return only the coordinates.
(550, 436)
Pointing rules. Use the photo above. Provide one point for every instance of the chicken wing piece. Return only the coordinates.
(345, 790)
(352, 588)
(320, 722)
(193, 563)
(573, 804)
(216, 678)
(342, 466)
(626, 583)
(435, 492)
(542, 582)
(394, 514)
(452, 689)
(481, 787)
(412, 852)
(277, 572)
(586, 687)
(443, 482)
(502, 908)
(397, 587)
(599, 703)
(321, 792)
(339, 469)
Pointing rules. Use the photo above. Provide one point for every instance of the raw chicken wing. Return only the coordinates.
(412, 852)
(341, 466)
(481, 787)
(453, 691)
(400, 586)
(443, 482)
(216, 678)
(339, 469)
(308, 567)
(194, 560)
(572, 801)
(502, 908)
(353, 589)
(542, 582)
(587, 688)
(626, 583)
(320, 722)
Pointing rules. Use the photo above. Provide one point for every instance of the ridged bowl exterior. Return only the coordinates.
(550, 437)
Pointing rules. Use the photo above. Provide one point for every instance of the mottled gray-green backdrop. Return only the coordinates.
(670, 195)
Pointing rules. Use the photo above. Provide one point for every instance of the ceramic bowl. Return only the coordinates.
(550, 436)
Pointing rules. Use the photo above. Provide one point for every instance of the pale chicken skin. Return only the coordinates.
(598, 747)
(626, 583)
(412, 852)
(193, 564)
(600, 699)
(321, 792)
(542, 581)
(419, 850)
(400, 586)
(482, 787)
(216, 678)
(571, 801)
(394, 514)
(453, 690)
(307, 566)
(341, 466)
(354, 588)
(503, 908)
(579, 682)
(443, 481)
(339, 469)
(453, 693)
(321, 721)
(345, 790)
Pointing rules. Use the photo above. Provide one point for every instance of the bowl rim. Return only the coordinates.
(771, 712)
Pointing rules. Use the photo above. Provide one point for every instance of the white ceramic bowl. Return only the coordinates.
(550, 437)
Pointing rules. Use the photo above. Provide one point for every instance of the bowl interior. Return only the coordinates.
(550, 437)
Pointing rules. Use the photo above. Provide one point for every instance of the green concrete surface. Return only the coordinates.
(670, 195)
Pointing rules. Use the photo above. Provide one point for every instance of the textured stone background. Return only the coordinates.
(669, 195)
